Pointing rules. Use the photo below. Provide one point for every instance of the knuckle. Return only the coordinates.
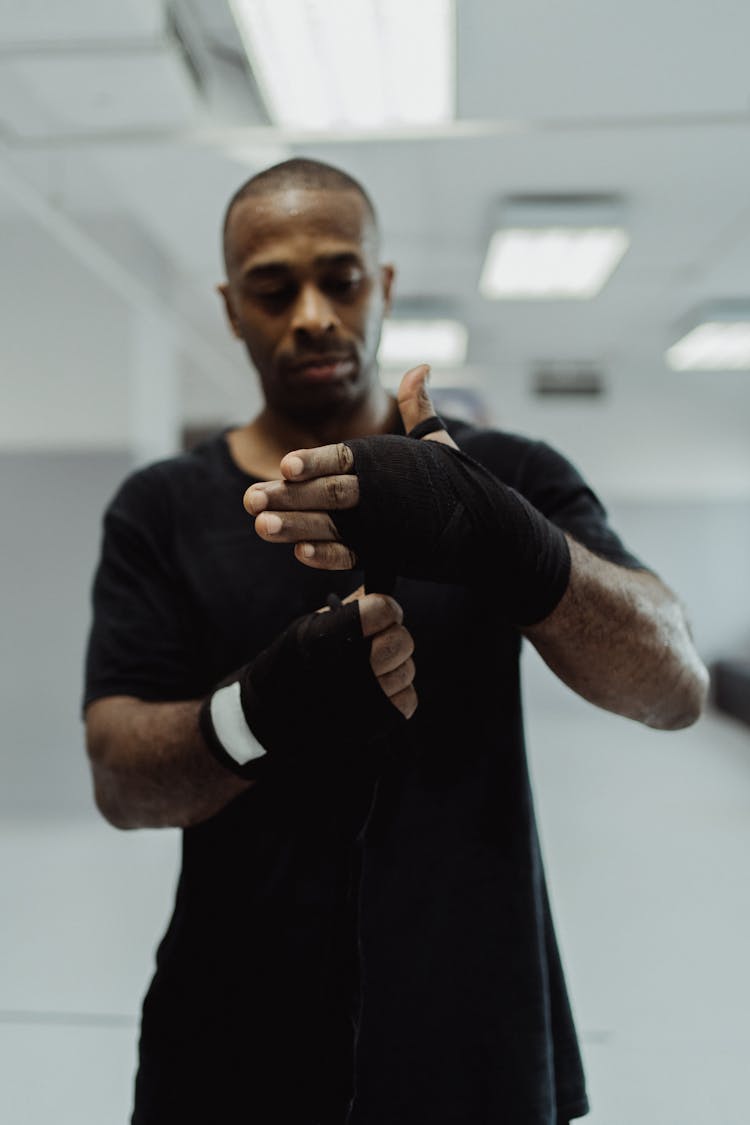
(302, 528)
(335, 556)
(404, 641)
(391, 646)
(379, 653)
(385, 605)
(399, 702)
(405, 701)
(335, 492)
(328, 552)
(398, 681)
(390, 684)
(394, 610)
(372, 605)
(344, 457)
(378, 612)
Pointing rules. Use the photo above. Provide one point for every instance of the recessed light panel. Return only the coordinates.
(556, 262)
(350, 64)
(714, 345)
(551, 247)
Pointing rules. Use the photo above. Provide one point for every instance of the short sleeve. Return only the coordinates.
(141, 641)
(553, 485)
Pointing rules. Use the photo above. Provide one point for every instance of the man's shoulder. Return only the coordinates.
(508, 455)
(154, 487)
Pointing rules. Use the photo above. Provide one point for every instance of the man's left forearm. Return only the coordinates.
(620, 639)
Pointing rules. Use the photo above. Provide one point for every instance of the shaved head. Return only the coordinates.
(306, 291)
(298, 174)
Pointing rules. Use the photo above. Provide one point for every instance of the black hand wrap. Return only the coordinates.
(429, 511)
(427, 426)
(311, 695)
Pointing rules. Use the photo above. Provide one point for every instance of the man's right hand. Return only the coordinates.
(330, 684)
(392, 646)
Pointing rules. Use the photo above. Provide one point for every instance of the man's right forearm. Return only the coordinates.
(151, 767)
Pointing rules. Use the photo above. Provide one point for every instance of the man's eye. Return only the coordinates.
(343, 285)
(277, 294)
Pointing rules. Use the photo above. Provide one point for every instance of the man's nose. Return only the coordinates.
(313, 314)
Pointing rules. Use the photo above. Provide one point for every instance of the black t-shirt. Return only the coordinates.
(345, 948)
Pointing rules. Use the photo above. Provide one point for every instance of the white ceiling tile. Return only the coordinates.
(585, 59)
(179, 194)
(40, 21)
(115, 90)
(23, 113)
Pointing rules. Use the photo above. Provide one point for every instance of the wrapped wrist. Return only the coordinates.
(429, 511)
(310, 697)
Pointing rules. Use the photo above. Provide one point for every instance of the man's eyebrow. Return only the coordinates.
(275, 268)
(347, 258)
(265, 269)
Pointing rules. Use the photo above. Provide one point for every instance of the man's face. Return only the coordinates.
(306, 294)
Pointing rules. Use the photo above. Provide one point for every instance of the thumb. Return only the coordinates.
(415, 404)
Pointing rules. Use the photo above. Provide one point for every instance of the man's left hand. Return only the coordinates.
(317, 481)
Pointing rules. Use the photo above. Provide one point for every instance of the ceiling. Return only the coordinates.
(124, 128)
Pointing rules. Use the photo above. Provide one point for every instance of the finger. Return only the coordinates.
(406, 702)
(378, 612)
(325, 556)
(294, 527)
(399, 679)
(323, 461)
(390, 648)
(415, 404)
(321, 494)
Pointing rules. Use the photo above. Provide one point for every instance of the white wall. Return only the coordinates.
(50, 513)
(702, 550)
(655, 435)
(66, 349)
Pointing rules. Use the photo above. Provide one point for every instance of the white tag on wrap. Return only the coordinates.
(231, 729)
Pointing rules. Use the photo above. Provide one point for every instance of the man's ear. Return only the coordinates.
(387, 276)
(223, 291)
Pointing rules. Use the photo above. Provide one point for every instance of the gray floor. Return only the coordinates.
(646, 837)
(647, 840)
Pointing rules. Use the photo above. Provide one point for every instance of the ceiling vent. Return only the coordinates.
(568, 379)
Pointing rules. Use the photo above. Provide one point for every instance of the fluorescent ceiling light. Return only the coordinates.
(714, 345)
(408, 342)
(552, 263)
(361, 64)
(547, 247)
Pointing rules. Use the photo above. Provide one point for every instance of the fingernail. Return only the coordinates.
(257, 501)
(272, 524)
(307, 550)
(295, 465)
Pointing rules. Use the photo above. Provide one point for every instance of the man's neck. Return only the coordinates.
(259, 446)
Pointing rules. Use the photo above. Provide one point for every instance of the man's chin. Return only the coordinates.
(320, 401)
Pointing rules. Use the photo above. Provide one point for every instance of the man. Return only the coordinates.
(361, 932)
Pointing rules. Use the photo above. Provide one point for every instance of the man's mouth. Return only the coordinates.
(323, 369)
